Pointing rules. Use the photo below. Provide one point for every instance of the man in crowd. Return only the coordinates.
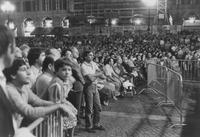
(43, 81)
(7, 55)
(91, 72)
(36, 57)
(75, 96)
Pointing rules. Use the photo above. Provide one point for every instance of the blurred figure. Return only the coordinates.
(43, 81)
(75, 96)
(18, 53)
(36, 57)
(54, 53)
(7, 55)
(25, 50)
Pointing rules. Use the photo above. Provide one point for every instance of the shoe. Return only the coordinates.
(90, 130)
(99, 128)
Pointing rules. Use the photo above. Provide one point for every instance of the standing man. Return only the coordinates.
(75, 96)
(35, 57)
(7, 55)
(91, 72)
(43, 81)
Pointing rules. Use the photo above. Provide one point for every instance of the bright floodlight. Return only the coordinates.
(7, 7)
(138, 21)
(114, 21)
(150, 3)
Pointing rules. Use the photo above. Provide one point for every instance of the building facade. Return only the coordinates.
(106, 9)
(102, 10)
(37, 11)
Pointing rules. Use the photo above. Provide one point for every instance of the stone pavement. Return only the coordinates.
(137, 116)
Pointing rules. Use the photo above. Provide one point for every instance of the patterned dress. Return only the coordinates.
(58, 91)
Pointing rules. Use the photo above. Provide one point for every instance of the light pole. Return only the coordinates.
(7, 8)
(149, 4)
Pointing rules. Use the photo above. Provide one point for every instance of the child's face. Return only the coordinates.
(64, 72)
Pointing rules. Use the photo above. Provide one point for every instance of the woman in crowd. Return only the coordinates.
(112, 76)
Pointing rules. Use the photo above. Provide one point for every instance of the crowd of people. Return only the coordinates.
(76, 74)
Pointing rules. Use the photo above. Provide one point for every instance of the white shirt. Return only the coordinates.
(89, 68)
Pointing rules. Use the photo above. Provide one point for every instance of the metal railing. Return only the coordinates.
(168, 84)
(50, 126)
(190, 69)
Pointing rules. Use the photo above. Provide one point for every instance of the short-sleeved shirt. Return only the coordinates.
(89, 68)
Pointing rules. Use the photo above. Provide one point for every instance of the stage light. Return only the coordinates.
(114, 21)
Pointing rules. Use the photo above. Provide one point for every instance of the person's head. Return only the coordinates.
(125, 59)
(54, 53)
(119, 60)
(18, 53)
(18, 72)
(48, 64)
(7, 46)
(36, 56)
(67, 53)
(109, 61)
(62, 69)
(149, 55)
(88, 55)
(75, 52)
(25, 49)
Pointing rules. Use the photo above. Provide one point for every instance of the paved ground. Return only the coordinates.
(138, 116)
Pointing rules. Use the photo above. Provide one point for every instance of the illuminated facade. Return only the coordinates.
(123, 12)
(36, 11)
(106, 9)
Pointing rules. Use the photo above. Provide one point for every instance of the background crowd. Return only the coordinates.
(77, 74)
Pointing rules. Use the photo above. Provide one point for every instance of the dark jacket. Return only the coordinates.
(6, 124)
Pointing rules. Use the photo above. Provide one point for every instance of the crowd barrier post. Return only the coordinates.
(50, 126)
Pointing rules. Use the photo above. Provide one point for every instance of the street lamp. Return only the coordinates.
(149, 4)
(7, 7)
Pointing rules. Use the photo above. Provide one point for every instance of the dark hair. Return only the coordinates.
(6, 38)
(85, 53)
(8, 72)
(48, 60)
(48, 52)
(107, 61)
(65, 51)
(60, 63)
(33, 55)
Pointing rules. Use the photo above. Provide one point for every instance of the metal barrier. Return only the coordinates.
(168, 84)
(190, 69)
(50, 126)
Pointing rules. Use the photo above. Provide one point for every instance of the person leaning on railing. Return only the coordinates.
(23, 101)
(58, 91)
